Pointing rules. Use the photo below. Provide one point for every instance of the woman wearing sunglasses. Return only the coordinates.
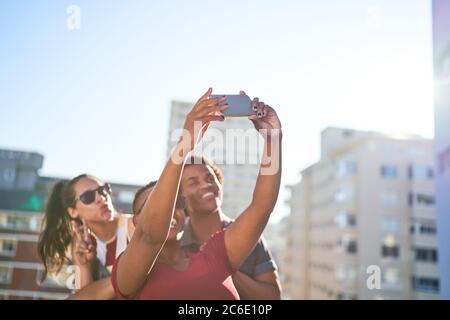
(74, 207)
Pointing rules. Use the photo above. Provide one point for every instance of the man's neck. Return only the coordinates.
(205, 225)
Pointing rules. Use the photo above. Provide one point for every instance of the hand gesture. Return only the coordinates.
(83, 249)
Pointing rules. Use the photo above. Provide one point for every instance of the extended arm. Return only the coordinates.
(152, 230)
(242, 236)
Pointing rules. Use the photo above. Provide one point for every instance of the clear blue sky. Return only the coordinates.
(97, 99)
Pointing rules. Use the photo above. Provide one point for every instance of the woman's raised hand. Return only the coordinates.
(83, 249)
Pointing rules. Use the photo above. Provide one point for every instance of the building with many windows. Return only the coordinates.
(362, 222)
(441, 51)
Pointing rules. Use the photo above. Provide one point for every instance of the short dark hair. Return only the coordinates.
(194, 159)
(179, 204)
(140, 191)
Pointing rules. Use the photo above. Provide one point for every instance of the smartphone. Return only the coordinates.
(239, 105)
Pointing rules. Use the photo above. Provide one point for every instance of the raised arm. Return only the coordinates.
(152, 230)
(242, 236)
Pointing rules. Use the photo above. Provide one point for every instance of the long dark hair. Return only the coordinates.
(57, 234)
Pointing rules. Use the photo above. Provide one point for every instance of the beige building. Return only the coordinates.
(362, 222)
(234, 145)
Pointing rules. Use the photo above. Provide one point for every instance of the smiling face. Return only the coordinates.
(201, 189)
(100, 210)
(177, 223)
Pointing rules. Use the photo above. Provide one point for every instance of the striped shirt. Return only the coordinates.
(107, 252)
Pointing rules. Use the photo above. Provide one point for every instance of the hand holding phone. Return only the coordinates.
(239, 105)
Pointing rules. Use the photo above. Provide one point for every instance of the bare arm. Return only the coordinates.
(152, 230)
(98, 290)
(150, 233)
(242, 236)
(86, 276)
(265, 286)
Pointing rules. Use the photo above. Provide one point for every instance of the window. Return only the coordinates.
(389, 198)
(344, 194)
(416, 152)
(349, 244)
(351, 247)
(5, 275)
(390, 249)
(425, 284)
(9, 174)
(420, 172)
(8, 247)
(20, 222)
(421, 200)
(427, 229)
(426, 255)
(390, 277)
(345, 167)
(424, 228)
(425, 200)
(345, 219)
(347, 133)
(388, 171)
(343, 272)
(17, 222)
(390, 224)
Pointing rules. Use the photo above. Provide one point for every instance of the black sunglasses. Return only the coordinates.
(89, 196)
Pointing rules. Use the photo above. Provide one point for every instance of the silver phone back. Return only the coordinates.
(240, 105)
